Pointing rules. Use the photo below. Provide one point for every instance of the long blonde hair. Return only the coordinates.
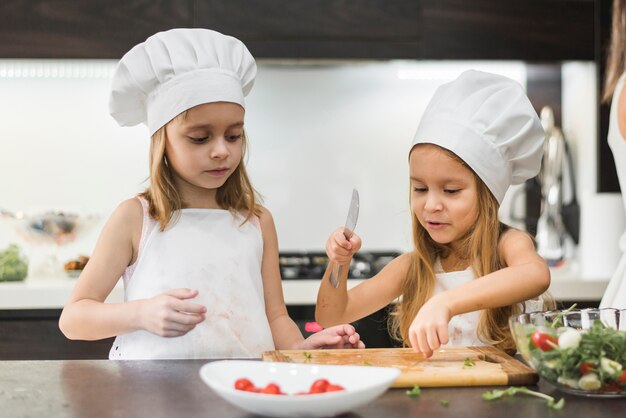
(480, 245)
(236, 194)
(616, 61)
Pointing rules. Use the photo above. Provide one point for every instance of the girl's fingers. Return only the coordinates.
(182, 293)
(355, 242)
(320, 340)
(188, 307)
(432, 339)
(443, 333)
(186, 318)
(422, 341)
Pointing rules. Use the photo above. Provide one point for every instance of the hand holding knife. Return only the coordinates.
(353, 215)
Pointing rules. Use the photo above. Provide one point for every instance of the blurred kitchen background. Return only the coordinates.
(340, 89)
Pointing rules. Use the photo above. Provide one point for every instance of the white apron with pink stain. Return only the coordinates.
(208, 250)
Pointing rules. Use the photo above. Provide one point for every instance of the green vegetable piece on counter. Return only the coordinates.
(444, 402)
(468, 362)
(13, 266)
(415, 392)
(512, 391)
(307, 356)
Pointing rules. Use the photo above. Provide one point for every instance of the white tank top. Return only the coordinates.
(617, 143)
(615, 293)
(462, 329)
(210, 251)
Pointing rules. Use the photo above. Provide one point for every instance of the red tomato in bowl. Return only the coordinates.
(586, 367)
(243, 384)
(271, 389)
(319, 386)
(543, 340)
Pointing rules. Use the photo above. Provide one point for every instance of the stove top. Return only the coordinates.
(312, 265)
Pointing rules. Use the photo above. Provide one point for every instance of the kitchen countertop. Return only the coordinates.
(52, 293)
(173, 388)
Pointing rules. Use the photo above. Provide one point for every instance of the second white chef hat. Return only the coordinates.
(487, 120)
(178, 69)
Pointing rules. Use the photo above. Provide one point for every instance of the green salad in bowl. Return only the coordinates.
(580, 351)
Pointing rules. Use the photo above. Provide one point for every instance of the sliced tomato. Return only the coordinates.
(243, 384)
(587, 367)
(319, 386)
(543, 340)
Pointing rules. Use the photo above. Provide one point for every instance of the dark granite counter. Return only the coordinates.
(173, 388)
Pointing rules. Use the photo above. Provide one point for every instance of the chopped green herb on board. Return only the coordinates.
(307, 356)
(367, 363)
(468, 362)
(512, 391)
(414, 393)
(444, 402)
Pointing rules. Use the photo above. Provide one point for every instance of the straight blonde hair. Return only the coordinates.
(480, 246)
(236, 194)
(616, 61)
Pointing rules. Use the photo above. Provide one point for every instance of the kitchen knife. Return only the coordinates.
(353, 215)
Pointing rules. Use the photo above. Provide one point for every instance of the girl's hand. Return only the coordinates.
(170, 315)
(340, 249)
(339, 336)
(429, 329)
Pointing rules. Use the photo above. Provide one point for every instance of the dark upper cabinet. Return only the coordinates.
(531, 30)
(84, 29)
(318, 28)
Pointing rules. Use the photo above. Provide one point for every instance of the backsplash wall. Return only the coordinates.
(316, 131)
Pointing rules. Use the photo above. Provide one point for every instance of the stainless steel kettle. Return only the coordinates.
(550, 227)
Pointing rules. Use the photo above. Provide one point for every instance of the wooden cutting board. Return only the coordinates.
(445, 368)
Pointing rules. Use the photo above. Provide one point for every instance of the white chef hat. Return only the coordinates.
(178, 69)
(486, 120)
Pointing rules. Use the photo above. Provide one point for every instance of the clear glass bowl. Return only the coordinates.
(579, 351)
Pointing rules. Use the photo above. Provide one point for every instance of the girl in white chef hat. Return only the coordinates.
(478, 135)
(197, 253)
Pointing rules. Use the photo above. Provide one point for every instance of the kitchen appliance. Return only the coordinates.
(556, 219)
(311, 265)
(450, 366)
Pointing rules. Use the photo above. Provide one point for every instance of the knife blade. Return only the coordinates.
(348, 231)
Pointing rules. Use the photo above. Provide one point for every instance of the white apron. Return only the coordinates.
(462, 329)
(615, 293)
(209, 251)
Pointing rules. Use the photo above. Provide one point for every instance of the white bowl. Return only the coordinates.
(362, 385)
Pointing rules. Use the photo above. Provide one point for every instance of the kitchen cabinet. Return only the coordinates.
(85, 29)
(378, 29)
(34, 334)
(531, 30)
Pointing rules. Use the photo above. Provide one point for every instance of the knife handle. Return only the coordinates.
(335, 275)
